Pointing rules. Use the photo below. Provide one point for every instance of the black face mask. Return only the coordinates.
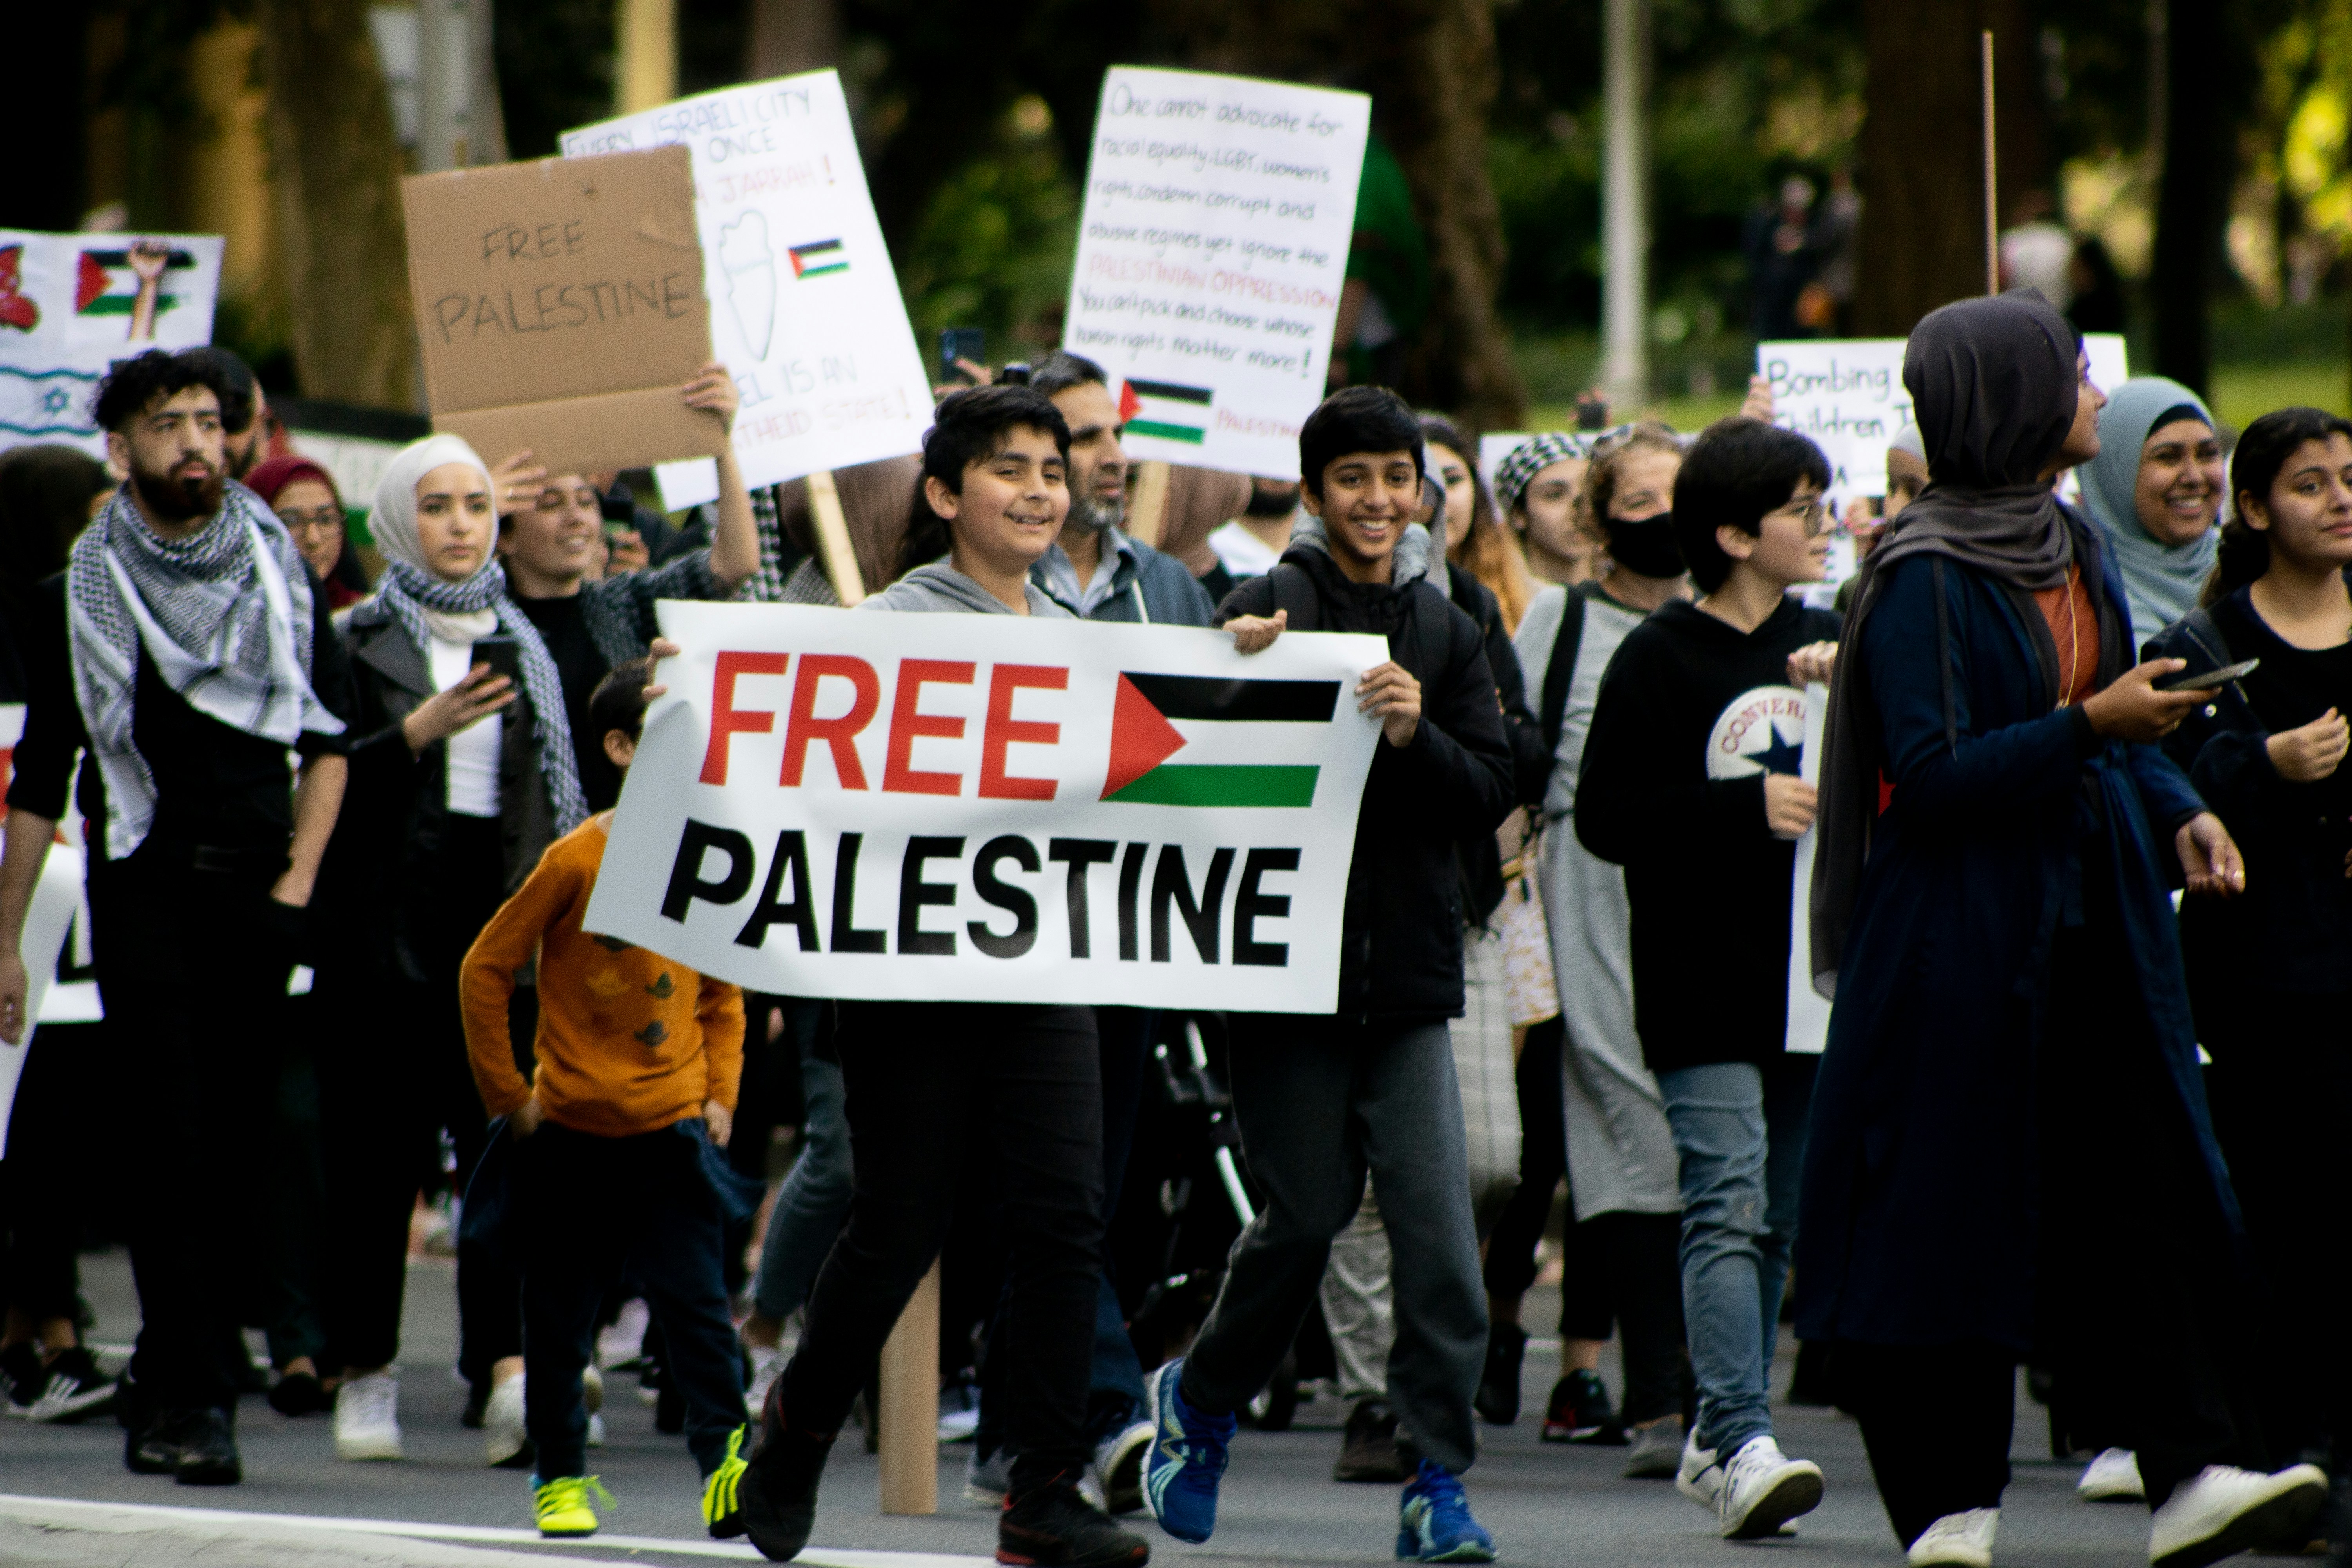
(1645, 547)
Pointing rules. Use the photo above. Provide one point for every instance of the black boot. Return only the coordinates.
(1051, 1526)
(150, 1440)
(208, 1456)
(778, 1492)
(1498, 1385)
(1368, 1452)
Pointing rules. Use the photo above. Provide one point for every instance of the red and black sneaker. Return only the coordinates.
(1580, 1412)
(1052, 1526)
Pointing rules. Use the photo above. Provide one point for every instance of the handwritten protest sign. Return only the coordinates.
(1211, 250)
(71, 304)
(839, 803)
(807, 308)
(561, 307)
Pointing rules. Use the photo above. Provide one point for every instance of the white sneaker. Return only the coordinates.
(367, 1417)
(2113, 1476)
(502, 1430)
(595, 1431)
(592, 1388)
(2225, 1511)
(618, 1347)
(1698, 1477)
(1957, 1540)
(1119, 1467)
(767, 1365)
(1763, 1487)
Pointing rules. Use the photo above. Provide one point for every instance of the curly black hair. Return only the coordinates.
(133, 386)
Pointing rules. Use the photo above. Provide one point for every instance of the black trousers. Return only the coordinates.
(43, 1183)
(934, 1090)
(192, 968)
(1626, 1269)
(1510, 1266)
(392, 1072)
(2144, 1303)
(588, 1210)
(2281, 1087)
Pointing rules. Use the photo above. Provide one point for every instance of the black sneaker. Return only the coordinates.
(151, 1442)
(1051, 1526)
(208, 1456)
(72, 1388)
(777, 1492)
(1368, 1451)
(300, 1394)
(1580, 1411)
(1498, 1385)
(21, 1378)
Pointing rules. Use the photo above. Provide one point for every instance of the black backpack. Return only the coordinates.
(1294, 591)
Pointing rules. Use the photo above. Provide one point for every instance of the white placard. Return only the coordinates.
(1211, 250)
(804, 306)
(1808, 1010)
(71, 304)
(991, 808)
(55, 896)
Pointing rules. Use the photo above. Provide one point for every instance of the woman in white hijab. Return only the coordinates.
(462, 772)
(2156, 491)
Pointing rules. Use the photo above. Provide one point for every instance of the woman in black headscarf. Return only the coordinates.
(2013, 1037)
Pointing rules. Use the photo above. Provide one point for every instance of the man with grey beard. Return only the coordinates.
(1095, 571)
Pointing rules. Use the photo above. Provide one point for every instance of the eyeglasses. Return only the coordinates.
(1815, 517)
(317, 517)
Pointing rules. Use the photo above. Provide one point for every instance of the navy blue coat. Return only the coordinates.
(1922, 1182)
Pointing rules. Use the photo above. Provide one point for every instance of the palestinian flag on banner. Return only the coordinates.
(104, 284)
(819, 257)
(1164, 409)
(1232, 733)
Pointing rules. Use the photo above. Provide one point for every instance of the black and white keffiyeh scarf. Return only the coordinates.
(408, 593)
(224, 614)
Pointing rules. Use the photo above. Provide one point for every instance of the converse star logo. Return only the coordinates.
(1761, 731)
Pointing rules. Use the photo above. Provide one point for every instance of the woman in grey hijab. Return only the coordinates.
(2155, 489)
(2011, 1029)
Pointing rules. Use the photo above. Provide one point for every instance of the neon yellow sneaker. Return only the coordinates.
(561, 1505)
(722, 1510)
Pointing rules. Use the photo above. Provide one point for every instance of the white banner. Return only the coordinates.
(1211, 250)
(804, 307)
(71, 304)
(1808, 1010)
(990, 808)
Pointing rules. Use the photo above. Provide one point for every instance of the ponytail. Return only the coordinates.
(2262, 454)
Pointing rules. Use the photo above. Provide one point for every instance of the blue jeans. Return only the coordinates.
(1739, 1130)
(814, 1198)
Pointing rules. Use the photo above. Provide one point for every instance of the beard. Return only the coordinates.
(170, 500)
(1091, 516)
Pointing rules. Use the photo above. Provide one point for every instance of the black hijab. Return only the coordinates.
(1994, 384)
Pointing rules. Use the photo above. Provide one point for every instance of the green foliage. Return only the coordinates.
(993, 246)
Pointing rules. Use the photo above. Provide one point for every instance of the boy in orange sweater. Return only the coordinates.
(637, 1056)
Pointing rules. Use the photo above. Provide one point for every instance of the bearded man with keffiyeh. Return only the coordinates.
(186, 653)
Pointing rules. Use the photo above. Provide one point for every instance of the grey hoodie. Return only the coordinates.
(940, 587)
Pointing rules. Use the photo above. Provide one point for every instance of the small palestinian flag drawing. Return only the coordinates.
(819, 257)
(1164, 409)
(104, 284)
(1233, 735)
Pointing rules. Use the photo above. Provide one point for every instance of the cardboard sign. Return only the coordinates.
(807, 308)
(990, 808)
(1848, 395)
(72, 304)
(1212, 251)
(561, 307)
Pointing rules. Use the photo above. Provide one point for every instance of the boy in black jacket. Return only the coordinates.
(1321, 1099)
(1691, 783)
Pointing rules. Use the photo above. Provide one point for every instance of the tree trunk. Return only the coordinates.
(1429, 66)
(2192, 200)
(336, 169)
(1922, 176)
(787, 36)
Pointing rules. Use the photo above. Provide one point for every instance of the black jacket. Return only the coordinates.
(1400, 954)
(1481, 857)
(375, 887)
(1693, 713)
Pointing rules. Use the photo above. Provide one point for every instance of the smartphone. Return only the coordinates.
(961, 342)
(2203, 679)
(501, 653)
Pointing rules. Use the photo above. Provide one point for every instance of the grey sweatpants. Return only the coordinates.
(1320, 1102)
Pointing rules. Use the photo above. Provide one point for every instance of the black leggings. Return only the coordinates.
(1543, 1165)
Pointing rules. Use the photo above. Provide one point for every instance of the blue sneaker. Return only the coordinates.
(1186, 1459)
(1435, 1525)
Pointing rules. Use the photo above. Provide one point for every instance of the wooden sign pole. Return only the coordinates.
(832, 546)
(1146, 508)
(1993, 206)
(910, 1402)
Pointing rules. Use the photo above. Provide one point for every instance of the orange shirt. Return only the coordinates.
(628, 1042)
(2074, 628)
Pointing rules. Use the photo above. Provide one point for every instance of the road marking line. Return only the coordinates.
(818, 1556)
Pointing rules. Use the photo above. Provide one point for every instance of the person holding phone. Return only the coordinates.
(463, 774)
(2270, 974)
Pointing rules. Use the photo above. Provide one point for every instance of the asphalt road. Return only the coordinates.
(1545, 1504)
